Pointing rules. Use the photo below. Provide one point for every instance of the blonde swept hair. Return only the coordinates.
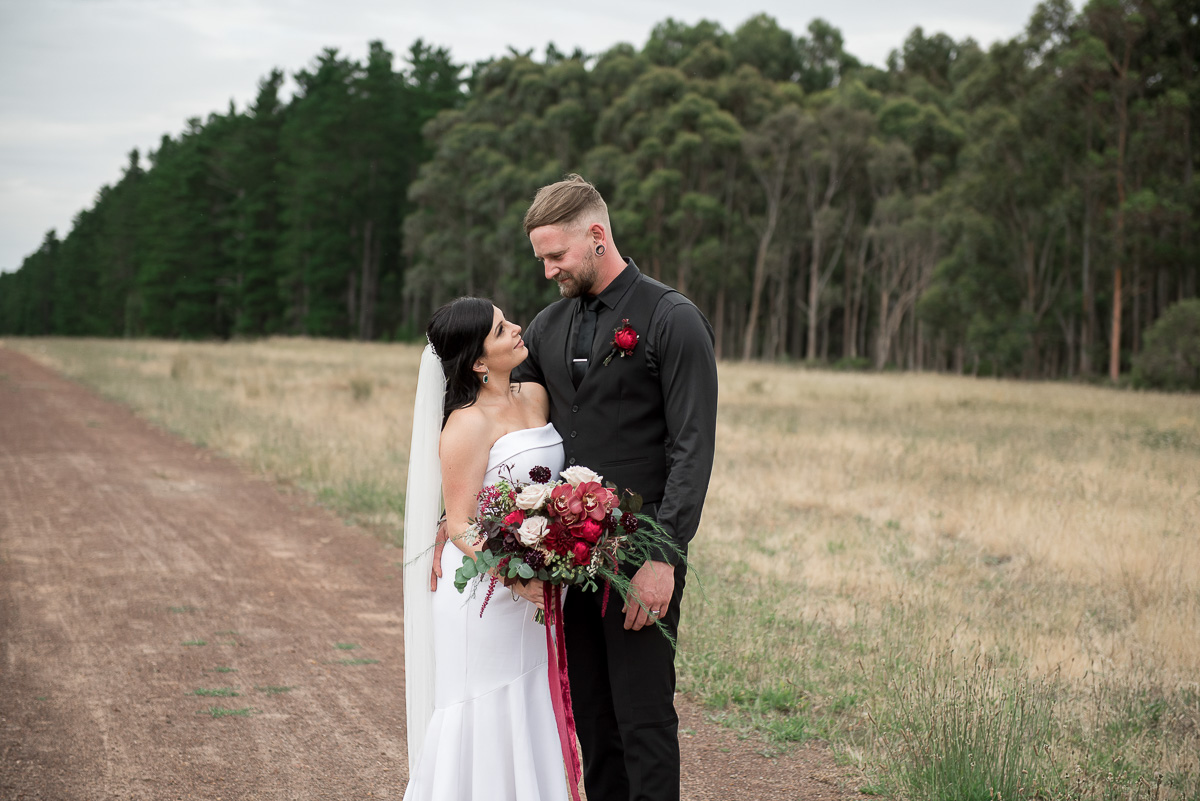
(571, 203)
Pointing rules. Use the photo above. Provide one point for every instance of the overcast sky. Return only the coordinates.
(82, 82)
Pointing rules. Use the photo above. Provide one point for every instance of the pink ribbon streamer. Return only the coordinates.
(560, 686)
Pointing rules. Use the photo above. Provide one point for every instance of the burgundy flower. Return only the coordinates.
(595, 501)
(558, 540)
(539, 475)
(565, 505)
(590, 530)
(629, 522)
(624, 341)
(582, 552)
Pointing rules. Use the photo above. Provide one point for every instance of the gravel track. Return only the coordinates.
(123, 548)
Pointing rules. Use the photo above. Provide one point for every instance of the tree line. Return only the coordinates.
(1028, 209)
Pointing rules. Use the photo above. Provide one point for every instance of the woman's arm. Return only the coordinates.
(464, 463)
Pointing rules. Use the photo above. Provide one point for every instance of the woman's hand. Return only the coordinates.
(532, 591)
(439, 545)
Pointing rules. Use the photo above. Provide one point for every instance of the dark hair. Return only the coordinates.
(457, 332)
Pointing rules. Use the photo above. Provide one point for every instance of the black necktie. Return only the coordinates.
(583, 339)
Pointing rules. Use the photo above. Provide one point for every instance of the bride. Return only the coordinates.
(480, 719)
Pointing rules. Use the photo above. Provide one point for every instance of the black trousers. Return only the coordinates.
(622, 693)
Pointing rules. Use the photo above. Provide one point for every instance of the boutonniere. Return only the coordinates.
(625, 339)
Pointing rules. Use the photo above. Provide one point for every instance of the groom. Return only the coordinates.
(638, 407)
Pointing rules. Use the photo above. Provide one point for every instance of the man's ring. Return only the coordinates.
(655, 613)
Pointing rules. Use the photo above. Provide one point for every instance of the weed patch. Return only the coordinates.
(222, 712)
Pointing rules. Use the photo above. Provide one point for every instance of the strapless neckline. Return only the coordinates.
(520, 431)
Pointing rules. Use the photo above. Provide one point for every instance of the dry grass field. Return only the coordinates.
(960, 583)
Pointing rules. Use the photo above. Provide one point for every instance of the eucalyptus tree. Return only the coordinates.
(823, 60)
(523, 127)
(772, 153)
(832, 154)
(670, 147)
(1115, 28)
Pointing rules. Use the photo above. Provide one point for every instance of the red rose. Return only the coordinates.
(590, 530)
(624, 340)
(515, 518)
(583, 553)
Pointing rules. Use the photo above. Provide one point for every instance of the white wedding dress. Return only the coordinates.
(493, 735)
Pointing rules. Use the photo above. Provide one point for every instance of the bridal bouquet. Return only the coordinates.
(573, 531)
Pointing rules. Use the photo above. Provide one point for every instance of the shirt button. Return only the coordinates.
(575, 408)
(573, 434)
(571, 460)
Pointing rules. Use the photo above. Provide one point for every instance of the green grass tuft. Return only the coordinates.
(222, 692)
(968, 731)
(222, 712)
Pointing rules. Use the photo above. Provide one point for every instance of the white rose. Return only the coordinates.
(578, 475)
(532, 530)
(533, 496)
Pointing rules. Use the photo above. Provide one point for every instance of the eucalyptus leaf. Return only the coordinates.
(631, 502)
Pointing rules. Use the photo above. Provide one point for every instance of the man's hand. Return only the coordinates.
(439, 544)
(653, 585)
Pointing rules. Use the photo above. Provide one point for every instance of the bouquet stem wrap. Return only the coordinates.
(560, 685)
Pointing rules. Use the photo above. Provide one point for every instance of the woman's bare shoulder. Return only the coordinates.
(468, 427)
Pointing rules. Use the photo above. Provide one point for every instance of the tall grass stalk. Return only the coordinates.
(964, 730)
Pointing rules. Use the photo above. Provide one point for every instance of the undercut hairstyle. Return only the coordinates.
(457, 332)
(571, 203)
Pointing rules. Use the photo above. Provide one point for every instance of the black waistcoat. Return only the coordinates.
(615, 423)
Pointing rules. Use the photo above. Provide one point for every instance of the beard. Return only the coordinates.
(582, 280)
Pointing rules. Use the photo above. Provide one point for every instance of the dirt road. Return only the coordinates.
(138, 571)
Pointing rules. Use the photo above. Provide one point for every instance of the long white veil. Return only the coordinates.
(422, 508)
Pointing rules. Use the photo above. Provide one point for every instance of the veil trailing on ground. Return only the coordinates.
(422, 508)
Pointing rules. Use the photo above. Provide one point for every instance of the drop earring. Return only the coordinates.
(485, 375)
